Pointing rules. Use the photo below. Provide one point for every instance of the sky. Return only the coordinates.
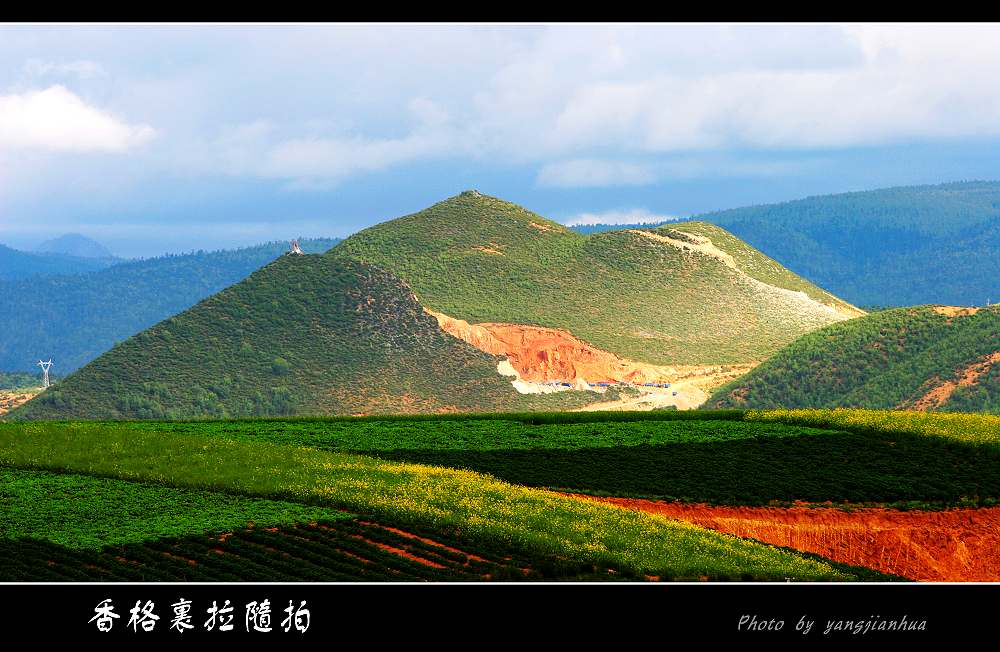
(169, 138)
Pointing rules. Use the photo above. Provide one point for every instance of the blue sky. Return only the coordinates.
(174, 137)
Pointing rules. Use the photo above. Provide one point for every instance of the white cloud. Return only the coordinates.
(319, 161)
(665, 89)
(619, 216)
(586, 105)
(56, 119)
(589, 173)
(82, 69)
(304, 158)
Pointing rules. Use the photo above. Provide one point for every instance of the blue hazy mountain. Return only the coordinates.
(73, 318)
(74, 244)
(16, 264)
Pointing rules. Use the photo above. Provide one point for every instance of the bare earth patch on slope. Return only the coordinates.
(693, 243)
(956, 545)
(956, 311)
(11, 400)
(544, 355)
(970, 375)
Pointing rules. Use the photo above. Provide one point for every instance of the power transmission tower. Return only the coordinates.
(45, 371)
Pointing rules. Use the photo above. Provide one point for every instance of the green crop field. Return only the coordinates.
(483, 513)
(344, 550)
(79, 511)
(460, 497)
(746, 458)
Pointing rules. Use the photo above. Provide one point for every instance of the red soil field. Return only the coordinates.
(955, 545)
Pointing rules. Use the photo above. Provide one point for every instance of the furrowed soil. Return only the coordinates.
(956, 545)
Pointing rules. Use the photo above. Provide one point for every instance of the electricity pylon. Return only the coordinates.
(45, 371)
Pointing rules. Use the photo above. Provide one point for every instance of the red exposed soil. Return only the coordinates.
(956, 545)
(940, 394)
(544, 354)
(190, 562)
(431, 542)
(351, 554)
(398, 551)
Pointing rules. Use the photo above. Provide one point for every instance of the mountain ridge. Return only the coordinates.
(481, 259)
(305, 334)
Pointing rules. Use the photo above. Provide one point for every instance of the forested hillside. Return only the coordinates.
(924, 358)
(21, 380)
(307, 335)
(73, 319)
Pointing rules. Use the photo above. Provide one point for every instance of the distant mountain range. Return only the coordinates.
(16, 264)
(74, 244)
(75, 318)
(892, 247)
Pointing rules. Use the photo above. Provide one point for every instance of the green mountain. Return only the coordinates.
(15, 264)
(891, 247)
(307, 334)
(687, 293)
(926, 358)
(74, 319)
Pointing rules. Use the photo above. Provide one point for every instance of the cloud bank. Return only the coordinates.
(56, 119)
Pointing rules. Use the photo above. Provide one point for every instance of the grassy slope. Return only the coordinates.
(755, 263)
(884, 360)
(619, 291)
(475, 507)
(74, 319)
(303, 335)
